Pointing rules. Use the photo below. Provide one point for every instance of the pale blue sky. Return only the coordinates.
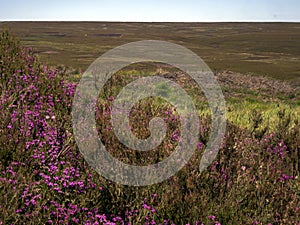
(151, 11)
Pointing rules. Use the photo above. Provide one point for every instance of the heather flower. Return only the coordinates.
(199, 145)
(145, 206)
(212, 217)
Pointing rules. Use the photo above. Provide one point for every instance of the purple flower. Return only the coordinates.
(145, 206)
(212, 217)
(199, 145)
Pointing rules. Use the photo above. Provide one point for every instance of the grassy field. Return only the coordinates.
(268, 49)
(44, 178)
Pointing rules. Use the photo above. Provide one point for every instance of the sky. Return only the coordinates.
(151, 11)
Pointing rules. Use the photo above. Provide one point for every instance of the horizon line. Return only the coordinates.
(133, 21)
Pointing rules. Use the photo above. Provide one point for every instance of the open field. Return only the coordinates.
(44, 178)
(267, 49)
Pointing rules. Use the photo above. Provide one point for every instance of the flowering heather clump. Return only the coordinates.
(45, 180)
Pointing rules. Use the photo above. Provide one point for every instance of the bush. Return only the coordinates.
(45, 180)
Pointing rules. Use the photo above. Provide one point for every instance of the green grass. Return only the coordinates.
(241, 111)
(240, 103)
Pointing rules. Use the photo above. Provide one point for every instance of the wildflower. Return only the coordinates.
(111, 98)
(145, 206)
(199, 145)
(243, 168)
(175, 136)
(212, 217)
(19, 211)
